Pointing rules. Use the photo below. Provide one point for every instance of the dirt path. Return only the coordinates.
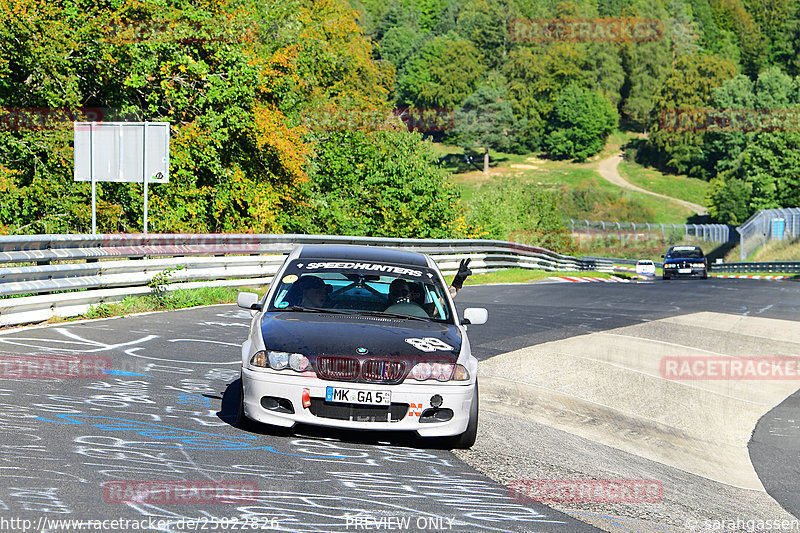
(608, 169)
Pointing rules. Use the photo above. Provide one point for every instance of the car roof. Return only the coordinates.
(685, 247)
(362, 253)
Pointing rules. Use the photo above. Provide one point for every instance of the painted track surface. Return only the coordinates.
(552, 318)
(165, 415)
(74, 448)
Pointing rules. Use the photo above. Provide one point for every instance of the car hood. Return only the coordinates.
(683, 260)
(323, 334)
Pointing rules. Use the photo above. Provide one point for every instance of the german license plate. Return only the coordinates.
(684, 271)
(364, 397)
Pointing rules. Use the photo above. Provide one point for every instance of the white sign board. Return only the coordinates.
(136, 152)
(122, 151)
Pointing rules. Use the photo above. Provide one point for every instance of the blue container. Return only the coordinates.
(778, 228)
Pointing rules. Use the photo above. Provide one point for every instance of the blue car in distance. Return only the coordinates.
(686, 261)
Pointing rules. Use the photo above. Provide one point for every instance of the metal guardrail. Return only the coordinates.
(786, 267)
(95, 269)
(618, 261)
(783, 267)
(767, 225)
(633, 231)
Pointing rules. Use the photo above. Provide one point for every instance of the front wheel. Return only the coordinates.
(705, 275)
(467, 439)
(242, 422)
(664, 277)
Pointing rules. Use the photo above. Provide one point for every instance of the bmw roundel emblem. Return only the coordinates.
(361, 350)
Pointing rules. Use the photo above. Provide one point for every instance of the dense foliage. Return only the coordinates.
(700, 46)
(521, 212)
(279, 110)
(258, 95)
(581, 122)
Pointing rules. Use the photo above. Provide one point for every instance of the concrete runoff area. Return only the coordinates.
(614, 415)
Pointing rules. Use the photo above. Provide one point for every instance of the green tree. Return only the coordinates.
(235, 79)
(521, 212)
(485, 23)
(579, 125)
(442, 74)
(646, 65)
(733, 17)
(756, 169)
(379, 183)
(728, 200)
(687, 87)
(485, 120)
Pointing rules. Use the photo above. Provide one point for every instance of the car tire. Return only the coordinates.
(467, 439)
(242, 422)
(704, 275)
(664, 277)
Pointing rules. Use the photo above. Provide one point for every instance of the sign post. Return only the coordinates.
(91, 165)
(133, 152)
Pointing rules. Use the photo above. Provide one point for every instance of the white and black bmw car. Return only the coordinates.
(361, 338)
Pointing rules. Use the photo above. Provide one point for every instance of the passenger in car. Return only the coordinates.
(400, 291)
(309, 291)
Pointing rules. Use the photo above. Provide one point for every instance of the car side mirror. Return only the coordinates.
(663, 256)
(475, 315)
(249, 301)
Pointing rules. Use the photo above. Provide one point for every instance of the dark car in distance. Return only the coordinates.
(686, 261)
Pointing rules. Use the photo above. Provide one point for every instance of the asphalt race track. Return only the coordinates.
(89, 448)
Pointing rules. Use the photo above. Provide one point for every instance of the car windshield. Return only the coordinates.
(365, 288)
(693, 253)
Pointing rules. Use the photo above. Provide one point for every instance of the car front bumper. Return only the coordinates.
(269, 395)
(688, 272)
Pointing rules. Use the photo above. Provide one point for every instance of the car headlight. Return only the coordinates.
(698, 265)
(298, 362)
(439, 372)
(279, 360)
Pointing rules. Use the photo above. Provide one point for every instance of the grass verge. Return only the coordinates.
(561, 176)
(178, 299)
(183, 298)
(681, 187)
(786, 250)
(524, 275)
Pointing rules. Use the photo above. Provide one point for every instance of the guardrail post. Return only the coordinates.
(603, 232)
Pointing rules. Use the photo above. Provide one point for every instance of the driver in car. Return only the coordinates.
(409, 292)
(314, 292)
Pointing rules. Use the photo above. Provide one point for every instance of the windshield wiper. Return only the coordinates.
(384, 314)
(302, 309)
